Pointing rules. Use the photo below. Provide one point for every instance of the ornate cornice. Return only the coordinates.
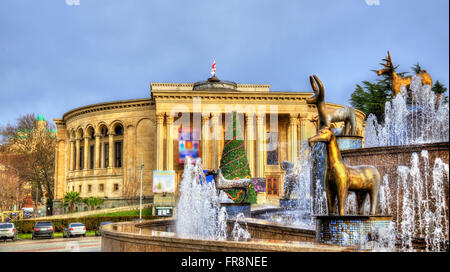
(124, 104)
(248, 97)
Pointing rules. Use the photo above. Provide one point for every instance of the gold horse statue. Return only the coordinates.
(345, 114)
(397, 81)
(340, 178)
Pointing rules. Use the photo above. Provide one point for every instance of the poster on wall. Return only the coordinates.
(163, 181)
(188, 144)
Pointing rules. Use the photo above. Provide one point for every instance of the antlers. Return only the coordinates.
(388, 61)
(317, 91)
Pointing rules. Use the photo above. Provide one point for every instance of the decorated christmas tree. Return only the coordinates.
(234, 163)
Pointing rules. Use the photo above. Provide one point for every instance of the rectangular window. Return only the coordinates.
(101, 187)
(118, 154)
(89, 188)
(106, 156)
(272, 149)
(272, 186)
(116, 187)
(81, 158)
(79, 188)
(91, 156)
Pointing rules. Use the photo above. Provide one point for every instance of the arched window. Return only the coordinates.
(118, 146)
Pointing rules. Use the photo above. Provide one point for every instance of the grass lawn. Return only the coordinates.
(57, 234)
(145, 212)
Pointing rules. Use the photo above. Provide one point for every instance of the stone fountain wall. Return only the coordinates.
(387, 159)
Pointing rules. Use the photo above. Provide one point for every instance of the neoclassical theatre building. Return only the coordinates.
(101, 147)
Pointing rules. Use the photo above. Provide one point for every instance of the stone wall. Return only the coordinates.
(154, 236)
(387, 159)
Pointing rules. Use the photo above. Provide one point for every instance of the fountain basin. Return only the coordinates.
(159, 235)
(350, 230)
(234, 209)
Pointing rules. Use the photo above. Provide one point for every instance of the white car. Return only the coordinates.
(74, 229)
(8, 231)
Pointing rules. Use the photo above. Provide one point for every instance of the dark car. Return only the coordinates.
(43, 229)
(97, 231)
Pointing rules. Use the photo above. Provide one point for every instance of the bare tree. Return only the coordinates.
(13, 189)
(34, 152)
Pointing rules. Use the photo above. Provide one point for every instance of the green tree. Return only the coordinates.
(371, 97)
(70, 199)
(234, 163)
(93, 202)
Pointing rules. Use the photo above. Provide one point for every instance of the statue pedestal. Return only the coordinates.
(346, 142)
(350, 230)
(288, 203)
(234, 209)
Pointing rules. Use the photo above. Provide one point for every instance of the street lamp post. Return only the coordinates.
(140, 197)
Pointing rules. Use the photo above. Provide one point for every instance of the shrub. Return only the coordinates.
(91, 222)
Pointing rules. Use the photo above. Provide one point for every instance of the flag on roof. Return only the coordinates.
(213, 68)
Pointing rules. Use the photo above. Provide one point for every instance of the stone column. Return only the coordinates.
(205, 138)
(97, 151)
(303, 127)
(86, 153)
(260, 142)
(111, 150)
(159, 141)
(215, 141)
(293, 150)
(249, 118)
(169, 142)
(72, 155)
(77, 150)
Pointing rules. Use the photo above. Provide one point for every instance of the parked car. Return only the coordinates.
(74, 229)
(98, 230)
(8, 231)
(43, 229)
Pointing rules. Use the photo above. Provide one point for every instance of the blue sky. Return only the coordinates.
(55, 57)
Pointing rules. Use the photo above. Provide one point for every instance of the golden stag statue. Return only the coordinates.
(341, 178)
(397, 81)
(345, 114)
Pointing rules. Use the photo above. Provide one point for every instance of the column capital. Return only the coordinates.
(293, 120)
(260, 118)
(160, 118)
(249, 116)
(169, 120)
(206, 115)
(215, 116)
(97, 135)
(303, 115)
(111, 133)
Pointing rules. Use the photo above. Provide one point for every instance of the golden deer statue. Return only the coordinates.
(340, 178)
(345, 114)
(397, 81)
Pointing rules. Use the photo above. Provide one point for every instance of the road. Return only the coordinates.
(81, 244)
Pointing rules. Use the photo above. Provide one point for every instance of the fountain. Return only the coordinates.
(409, 182)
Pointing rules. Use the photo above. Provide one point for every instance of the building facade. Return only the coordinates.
(101, 147)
